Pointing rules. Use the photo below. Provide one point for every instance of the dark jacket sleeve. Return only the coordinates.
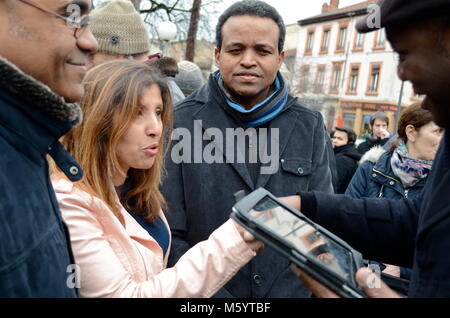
(358, 185)
(381, 229)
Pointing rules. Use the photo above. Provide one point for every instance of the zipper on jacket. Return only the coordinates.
(385, 175)
(406, 191)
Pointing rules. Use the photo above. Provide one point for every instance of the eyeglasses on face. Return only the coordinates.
(78, 23)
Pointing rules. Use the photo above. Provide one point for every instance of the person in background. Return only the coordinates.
(169, 68)
(119, 234)
(346, 155)
(379, 134)
(402, 171)
(189, 77)
(42, 64)
(120, 32)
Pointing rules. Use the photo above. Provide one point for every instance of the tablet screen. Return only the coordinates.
(303, 237)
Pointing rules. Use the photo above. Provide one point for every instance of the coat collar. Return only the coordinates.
(33, 118)
(23, 87)
(385, 175)
(213, 115)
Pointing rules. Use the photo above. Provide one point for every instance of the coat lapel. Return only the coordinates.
(285, 130)
(212, 116)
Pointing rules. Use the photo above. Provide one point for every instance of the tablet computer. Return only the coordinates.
(318, 252)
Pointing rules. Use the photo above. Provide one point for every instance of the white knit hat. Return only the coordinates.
(119, 29)
(189, 77)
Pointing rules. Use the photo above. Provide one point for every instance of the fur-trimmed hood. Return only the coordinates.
(34, 92)
(373, 154)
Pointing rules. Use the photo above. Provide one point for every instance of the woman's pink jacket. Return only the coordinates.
(117, 260)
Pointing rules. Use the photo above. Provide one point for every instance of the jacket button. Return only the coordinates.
(300, 170)
(282, 160)
(73, 170)
(391, 183)
(374, 175)
(257, 279)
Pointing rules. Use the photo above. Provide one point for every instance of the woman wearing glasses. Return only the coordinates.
(119, 235)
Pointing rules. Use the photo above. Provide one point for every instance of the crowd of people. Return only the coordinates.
(90, 188)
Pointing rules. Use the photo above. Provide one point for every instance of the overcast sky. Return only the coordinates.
(294, 10)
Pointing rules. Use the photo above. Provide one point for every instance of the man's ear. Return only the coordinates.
(217, 56)
(281, 58)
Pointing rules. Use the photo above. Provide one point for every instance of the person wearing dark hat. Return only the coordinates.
(408, 232)
(120, 32)
(247, 95)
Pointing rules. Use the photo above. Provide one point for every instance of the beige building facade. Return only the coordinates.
(345, 75)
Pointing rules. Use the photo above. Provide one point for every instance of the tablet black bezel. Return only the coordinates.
(307, 263)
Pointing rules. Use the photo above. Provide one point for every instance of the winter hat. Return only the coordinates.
(189, 77)
(119, 29)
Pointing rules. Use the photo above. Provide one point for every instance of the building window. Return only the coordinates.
(342, 37)
(309, 41)
(379, 40)
(352, 85)
(304, 79)
(374, 78)
(325, 40)
(336, 77)
(320, 79)
(359, 42)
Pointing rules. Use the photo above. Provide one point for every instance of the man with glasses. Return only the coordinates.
(43, 59)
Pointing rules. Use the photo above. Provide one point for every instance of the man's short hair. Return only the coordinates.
(251, 8)
(380, 116)
(351, 135)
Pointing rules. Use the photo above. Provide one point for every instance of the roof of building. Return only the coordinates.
(339, 13)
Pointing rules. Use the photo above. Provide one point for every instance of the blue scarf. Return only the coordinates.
(263, 112)
(409, 170)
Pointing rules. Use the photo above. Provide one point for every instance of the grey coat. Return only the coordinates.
(200, 195)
